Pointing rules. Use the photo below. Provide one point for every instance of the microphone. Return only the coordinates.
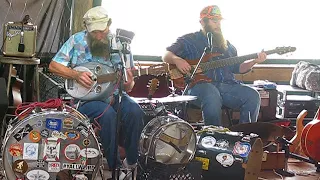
(209, 37)
(124, 36)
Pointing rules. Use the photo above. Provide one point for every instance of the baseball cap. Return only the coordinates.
(96, 18)
(211, 12)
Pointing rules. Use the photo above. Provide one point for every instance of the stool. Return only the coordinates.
(196, 112)
(22, 61)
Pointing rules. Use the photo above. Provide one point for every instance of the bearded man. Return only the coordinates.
(96, 44)
(224, 88)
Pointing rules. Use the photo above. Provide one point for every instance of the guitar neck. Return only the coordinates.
(230, 61)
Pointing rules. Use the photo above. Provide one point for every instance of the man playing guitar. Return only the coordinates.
(224, 88)
(96, 44)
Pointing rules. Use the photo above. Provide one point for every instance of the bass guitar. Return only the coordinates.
(179, 78)
(310, 138)
(104, 78)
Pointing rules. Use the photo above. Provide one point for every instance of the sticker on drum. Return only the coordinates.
(37, 174)
(45, 133)
(15, 149)
(40, 163)
(222, 143)
(226, 160)
(20, 166)
(53, 124)
(39, 123)
(51, 149)
(208, 141)
(30, 151)
(59, 135)
(83, 129)
(89, 153)
(78, 167)
(242, 149)
(72, 152)
(67, 123)
(72, 135)
(86, 142)
(34, 136)
(23, 132)
(54, 166)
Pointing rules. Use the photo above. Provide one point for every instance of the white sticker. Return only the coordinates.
(53, 166)
(72, 152)
(89, 153)
(30, 151)
(208, 142)
(38, 174)
(51, 149)
(225, 159)
(78, 167)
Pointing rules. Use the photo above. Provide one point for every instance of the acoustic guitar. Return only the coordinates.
(310, 138)
(179, 79)
(295, 146)
(104, 78)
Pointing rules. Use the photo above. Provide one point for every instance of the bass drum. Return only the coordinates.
(168, 140)
(42, 144)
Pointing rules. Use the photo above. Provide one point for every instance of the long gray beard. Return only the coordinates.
(99, 48)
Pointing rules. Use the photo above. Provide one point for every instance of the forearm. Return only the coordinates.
(171, 58)
(62, 70)
(246, 66)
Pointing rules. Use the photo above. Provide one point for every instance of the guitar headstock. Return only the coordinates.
(284, 50)
(158, 69)
(153, 85)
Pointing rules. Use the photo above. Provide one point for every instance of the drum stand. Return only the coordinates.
(289, 154)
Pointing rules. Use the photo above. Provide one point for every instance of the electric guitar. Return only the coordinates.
(104, 80)
(180, 78)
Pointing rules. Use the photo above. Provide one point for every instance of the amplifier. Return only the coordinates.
(292, 105)
(19, 39)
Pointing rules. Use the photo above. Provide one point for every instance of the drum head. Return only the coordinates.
(168, 140)
(44, 143)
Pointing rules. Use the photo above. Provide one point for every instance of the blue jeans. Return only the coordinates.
(212, 96)
(131, 126)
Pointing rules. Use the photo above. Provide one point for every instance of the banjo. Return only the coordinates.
(104, 80)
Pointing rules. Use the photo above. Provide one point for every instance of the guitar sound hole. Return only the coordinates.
(98, 89)
(98, 69)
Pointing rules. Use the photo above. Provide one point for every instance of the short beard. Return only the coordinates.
(217, 39)
(99, 48)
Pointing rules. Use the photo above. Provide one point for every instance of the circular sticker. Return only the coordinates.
(34, 136)
(15, 149)
(226, 160)
(72, 152)
(208, 141)
(89, 152)
(242, 149)
(20, 166)
(86, 142)
(38, 174)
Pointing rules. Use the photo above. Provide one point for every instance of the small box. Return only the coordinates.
(19, 39)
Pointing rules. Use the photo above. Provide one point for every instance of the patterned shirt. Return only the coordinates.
(191, 47)
(75, 51)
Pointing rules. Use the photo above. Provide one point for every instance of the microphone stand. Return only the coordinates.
(189, 79)
(123, 78)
